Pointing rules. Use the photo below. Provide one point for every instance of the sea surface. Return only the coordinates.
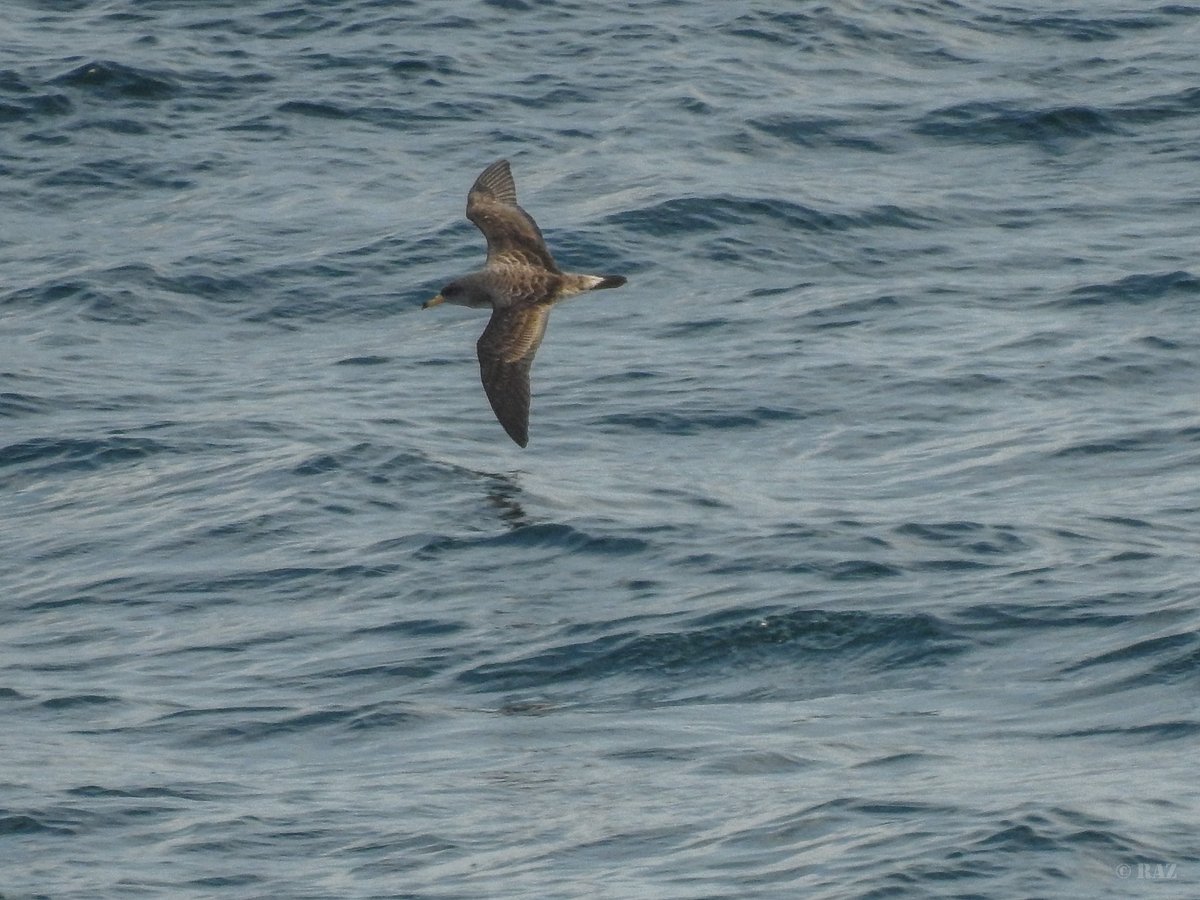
(856, 549)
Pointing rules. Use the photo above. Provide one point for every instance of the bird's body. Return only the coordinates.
(520, 282)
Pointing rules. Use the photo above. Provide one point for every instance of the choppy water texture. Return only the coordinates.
(854, 554)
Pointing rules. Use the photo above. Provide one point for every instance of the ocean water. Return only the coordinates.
(856, 550)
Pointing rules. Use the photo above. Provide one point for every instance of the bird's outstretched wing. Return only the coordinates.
(512, 235)
(506, 350)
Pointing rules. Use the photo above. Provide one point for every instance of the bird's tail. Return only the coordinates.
(607, 281)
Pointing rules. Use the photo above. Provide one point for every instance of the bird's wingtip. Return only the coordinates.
(519, 434)
(496, 181)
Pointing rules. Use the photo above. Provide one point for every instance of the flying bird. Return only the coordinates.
(520, 282)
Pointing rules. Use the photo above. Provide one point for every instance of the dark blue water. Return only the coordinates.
(855, 551)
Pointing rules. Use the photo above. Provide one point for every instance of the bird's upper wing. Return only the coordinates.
(506, 350)
(512, 235)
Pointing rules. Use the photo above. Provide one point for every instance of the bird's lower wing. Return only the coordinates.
(506, 350)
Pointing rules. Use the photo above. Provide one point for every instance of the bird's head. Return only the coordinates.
(462, 292)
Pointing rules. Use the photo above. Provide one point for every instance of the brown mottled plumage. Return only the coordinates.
(520, 282)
